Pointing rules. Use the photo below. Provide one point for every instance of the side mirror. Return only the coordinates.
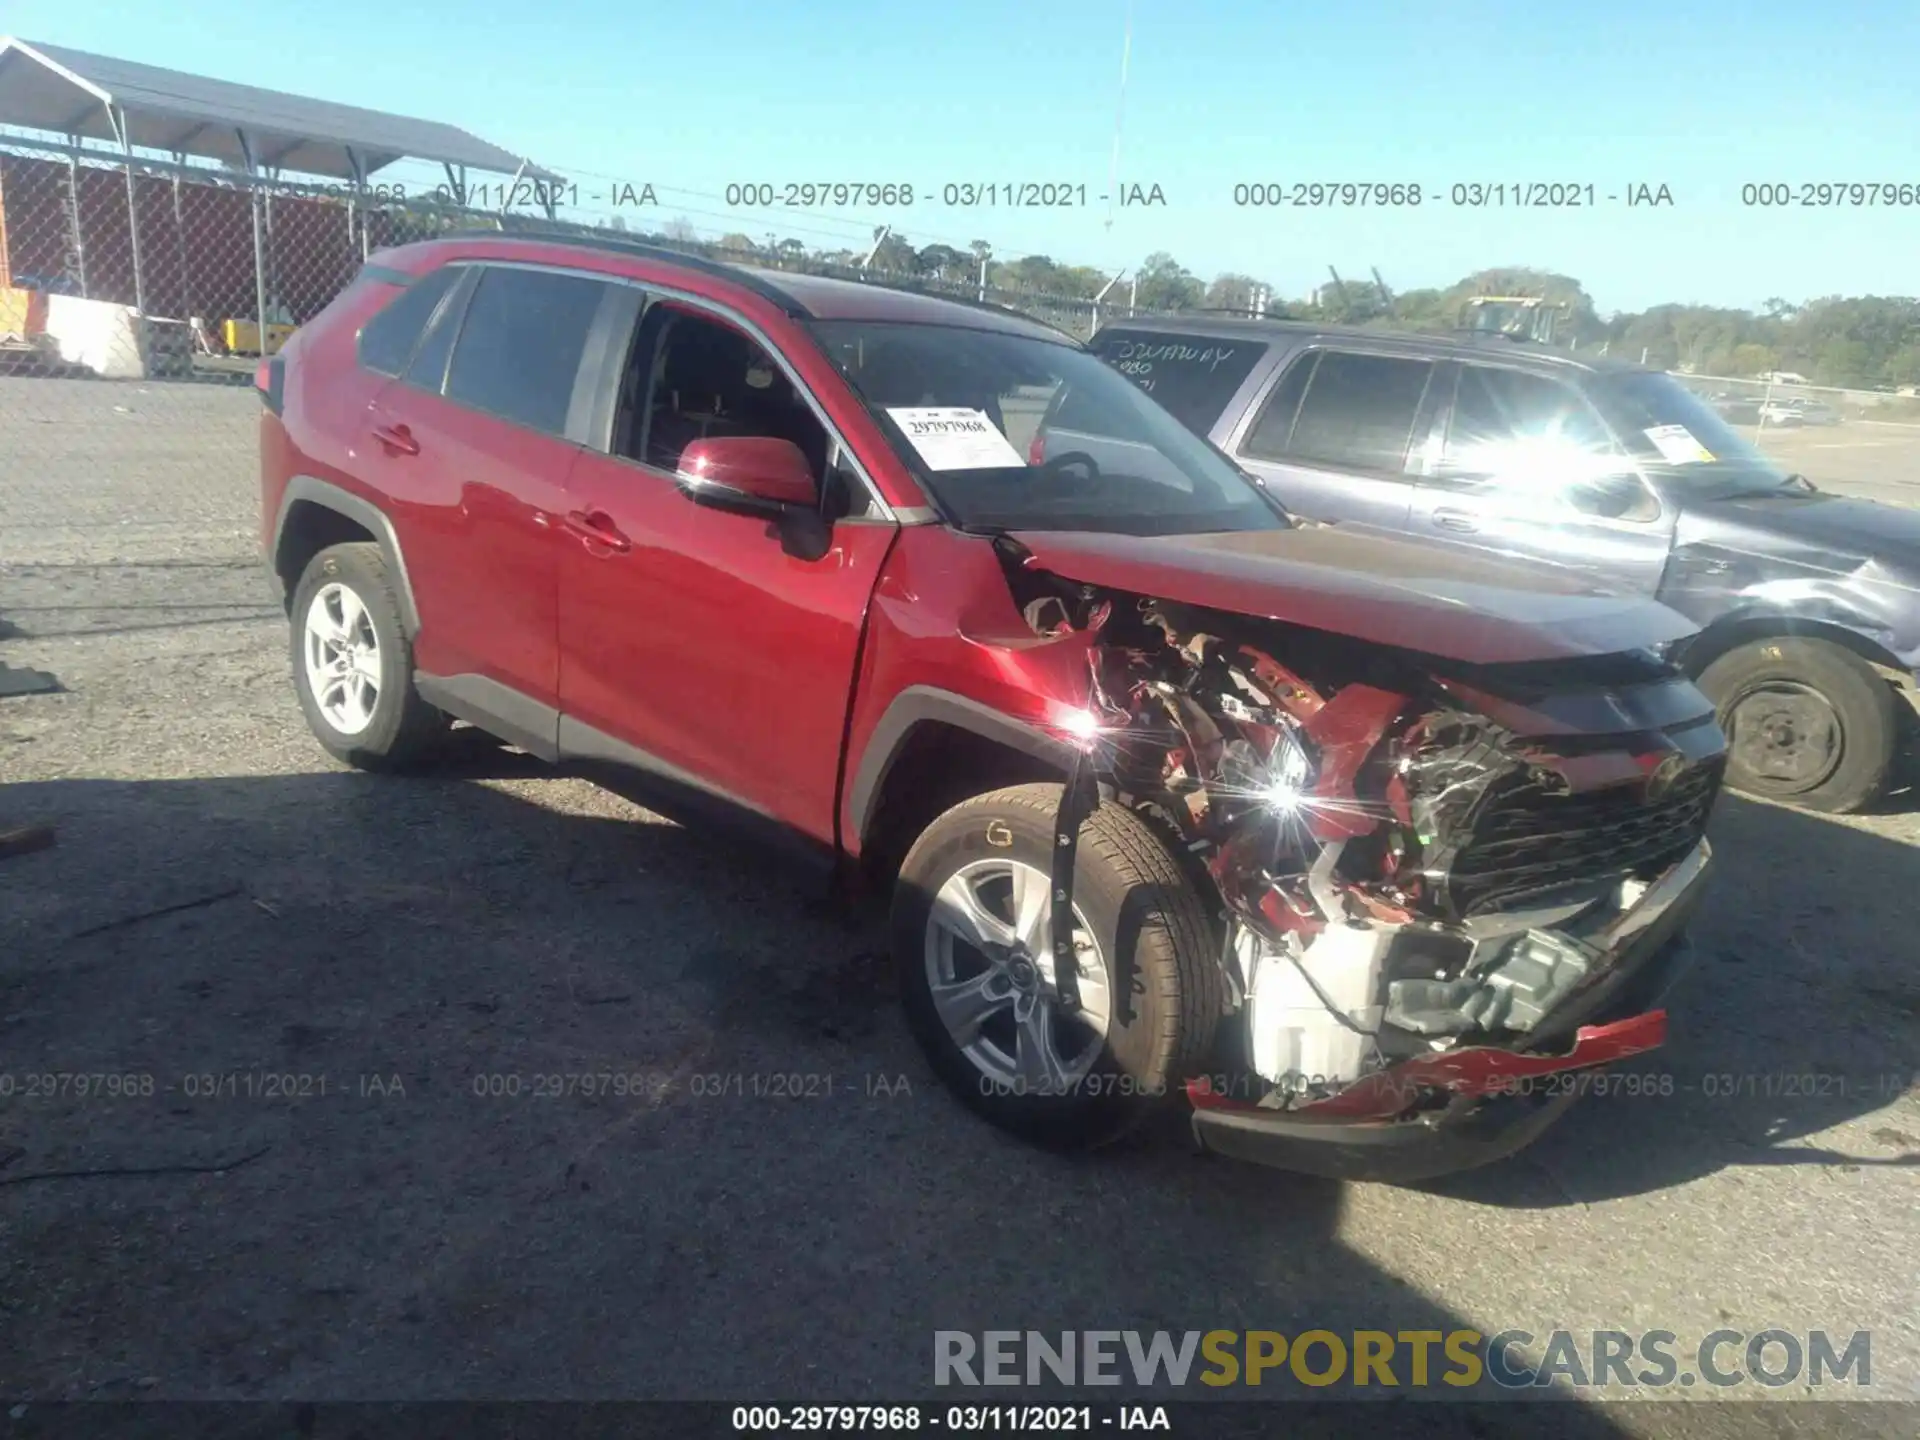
(755, 473)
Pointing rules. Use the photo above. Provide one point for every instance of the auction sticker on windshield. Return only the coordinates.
(1677, 445)
(952, 437)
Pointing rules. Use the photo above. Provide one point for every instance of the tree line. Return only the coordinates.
(1860, 342)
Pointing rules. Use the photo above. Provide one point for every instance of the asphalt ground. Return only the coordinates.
(1875, 460)
(226, 916)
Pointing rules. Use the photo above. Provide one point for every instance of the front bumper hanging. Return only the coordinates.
(1494, 1102)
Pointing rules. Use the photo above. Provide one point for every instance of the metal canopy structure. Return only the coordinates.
(69, 92)
(255, 132)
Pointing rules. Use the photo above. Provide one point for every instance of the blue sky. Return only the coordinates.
(1701, 97)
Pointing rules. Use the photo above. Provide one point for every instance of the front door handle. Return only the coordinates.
(596, 527)
(1459, 520)
(397, 439)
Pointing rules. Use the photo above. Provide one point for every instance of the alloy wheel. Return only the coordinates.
(990, 968)
(342, 653)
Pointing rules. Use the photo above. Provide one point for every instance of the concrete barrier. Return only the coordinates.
(105, 338)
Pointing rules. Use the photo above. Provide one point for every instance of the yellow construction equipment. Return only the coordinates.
(242, 337)
(1528, 316)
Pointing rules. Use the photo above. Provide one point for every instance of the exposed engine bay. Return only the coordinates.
(1413, 857)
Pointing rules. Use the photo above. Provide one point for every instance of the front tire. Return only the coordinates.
(353, 664)
(1808, 723)
(971, 937)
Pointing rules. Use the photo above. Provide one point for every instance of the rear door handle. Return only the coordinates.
(397, 439)
(1459, 520)
(597, 528)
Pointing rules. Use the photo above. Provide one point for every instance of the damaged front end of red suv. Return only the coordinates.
(1444, 883)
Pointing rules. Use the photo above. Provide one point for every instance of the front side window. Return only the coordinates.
(388, 339)
(692, 377)
(1013, 432)
(1535, 443)
(1348, 411)
(520, 345)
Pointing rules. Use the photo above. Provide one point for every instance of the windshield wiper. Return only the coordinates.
(1794, 484)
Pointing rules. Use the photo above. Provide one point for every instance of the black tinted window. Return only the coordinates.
(387, 340)
(1268, 438)
(520, 345)
(428, 368)
(1358, 412)
(1193, 376)
(710, 381)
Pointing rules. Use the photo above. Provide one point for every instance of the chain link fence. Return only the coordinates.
(1786, 401)
(136, 298)
(137, 295)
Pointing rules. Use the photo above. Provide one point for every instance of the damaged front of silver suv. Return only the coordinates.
(1453, 850)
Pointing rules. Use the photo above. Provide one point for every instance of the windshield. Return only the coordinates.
(1671, 430)
(1012, 433)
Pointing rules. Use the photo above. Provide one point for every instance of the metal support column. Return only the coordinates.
(275, 295)
(74, 235)
(1119, 275)
(117, 119)
(259, 243)
(354, 203)
(512, 189)
(180, 243)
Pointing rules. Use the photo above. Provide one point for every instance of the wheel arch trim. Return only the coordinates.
(311, 490)
(1854, 633)
(920, 705)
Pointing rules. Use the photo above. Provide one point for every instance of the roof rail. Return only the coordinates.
(968, 301)
(739, 272)
(640, 250)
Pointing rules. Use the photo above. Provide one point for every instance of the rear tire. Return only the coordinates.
(1149, 962)
(353, 663)
(1808, 723)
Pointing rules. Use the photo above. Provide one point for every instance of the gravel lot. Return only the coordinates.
(404, 942)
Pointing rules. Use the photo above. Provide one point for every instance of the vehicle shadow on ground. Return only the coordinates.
(327, 1169)
(1798, 1016)
(1903, 792)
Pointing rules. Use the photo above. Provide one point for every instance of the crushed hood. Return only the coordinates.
(1463, 606)
(1827, 557)
(1839, 527)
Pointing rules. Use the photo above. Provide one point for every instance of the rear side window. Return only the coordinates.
(1193, 376)
(1268, 438)
(387, 340)
(520, 345)
(428, 368)
(1356, 412)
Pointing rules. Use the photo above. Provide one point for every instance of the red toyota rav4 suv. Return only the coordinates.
(1343, 838)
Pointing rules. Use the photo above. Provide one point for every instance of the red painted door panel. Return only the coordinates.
(475, 507)
(708, 646)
